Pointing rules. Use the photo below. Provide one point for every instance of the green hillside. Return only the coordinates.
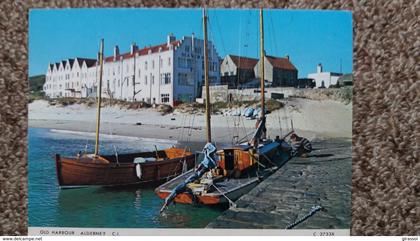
(36, 82)
(35, 87)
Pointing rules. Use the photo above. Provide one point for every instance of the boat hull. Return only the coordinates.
(211, 198)
(273, 155)
(74, 172)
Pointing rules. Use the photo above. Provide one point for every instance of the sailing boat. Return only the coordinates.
(143, 168)
(239, 169)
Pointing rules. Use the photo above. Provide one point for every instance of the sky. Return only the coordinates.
(309, 37)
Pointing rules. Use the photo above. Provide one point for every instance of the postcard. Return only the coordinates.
(187, 121)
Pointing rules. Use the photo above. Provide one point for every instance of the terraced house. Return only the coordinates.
(167, 73)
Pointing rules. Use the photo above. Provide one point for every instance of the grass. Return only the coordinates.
(343, 94)
(36, 88)
(165, 109)
(217, 107)
(190, 108)
(272, 105)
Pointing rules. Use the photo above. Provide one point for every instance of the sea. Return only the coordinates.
(99, 207)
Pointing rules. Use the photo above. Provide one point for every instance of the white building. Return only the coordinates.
(324, 79)
(168, 73)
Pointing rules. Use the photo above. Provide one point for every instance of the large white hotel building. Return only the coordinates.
(168, 73)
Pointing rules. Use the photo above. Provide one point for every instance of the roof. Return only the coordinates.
(281, 63)
(89, 62)
(143, 51)
(346, 78)
(243, 62)
(71, 61)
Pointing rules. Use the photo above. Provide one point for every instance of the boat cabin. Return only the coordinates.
(235, 160)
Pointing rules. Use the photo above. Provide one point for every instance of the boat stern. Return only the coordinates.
(58, 169)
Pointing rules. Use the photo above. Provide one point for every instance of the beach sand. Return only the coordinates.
(311, 118)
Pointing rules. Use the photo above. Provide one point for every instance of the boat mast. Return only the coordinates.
(98, 112)
(262, 70)
(206, 78)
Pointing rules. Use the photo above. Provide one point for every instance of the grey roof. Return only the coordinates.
(71, 62)
(89, 62)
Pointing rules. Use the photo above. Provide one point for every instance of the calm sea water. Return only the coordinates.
(98, 207)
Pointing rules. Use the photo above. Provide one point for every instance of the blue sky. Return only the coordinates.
(308, 37)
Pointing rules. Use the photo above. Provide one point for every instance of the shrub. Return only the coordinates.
(165, 109)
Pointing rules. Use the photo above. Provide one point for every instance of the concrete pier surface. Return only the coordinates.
(323, 178)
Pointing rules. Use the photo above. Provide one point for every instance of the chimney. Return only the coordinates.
(170, 39)
(116, 52)
(319, 68)
(133, 48)
(287, 57)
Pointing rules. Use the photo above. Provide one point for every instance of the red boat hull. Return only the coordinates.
(97, 171)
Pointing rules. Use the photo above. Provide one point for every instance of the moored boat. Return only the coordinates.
(146, 168)
(225, 175)
(239, 170)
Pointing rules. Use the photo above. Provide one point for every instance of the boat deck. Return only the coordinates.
(224, 185)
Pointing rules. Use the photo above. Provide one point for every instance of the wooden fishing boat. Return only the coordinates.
(145, 168)
(238, 172)
(238, 169)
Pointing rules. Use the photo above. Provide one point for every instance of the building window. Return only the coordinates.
(184, 62)
(184, 80)
(145, 79)
(145, 65)
(153, 64)
(165, 78)
(152, 79)
(164, 98)
(197, 50)
(161, 63)
(169, 61)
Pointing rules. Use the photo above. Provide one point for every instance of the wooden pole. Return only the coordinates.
(134, 76)
(206, 78)
(98, 112)
(262, 70)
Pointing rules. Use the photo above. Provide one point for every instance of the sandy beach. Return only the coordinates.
(311, 118)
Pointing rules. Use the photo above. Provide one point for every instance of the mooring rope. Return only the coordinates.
(231, 203)
(313, 210)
